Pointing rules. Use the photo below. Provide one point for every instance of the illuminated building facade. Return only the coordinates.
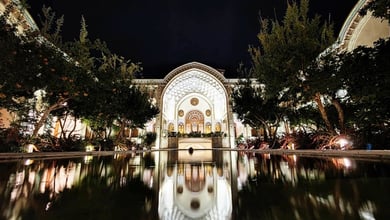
(361, 30)
(194, 99)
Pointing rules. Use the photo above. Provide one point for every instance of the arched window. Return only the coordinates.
(208, 128)
(218, 127)
(194, 121)
(181, 128)
(171, 127)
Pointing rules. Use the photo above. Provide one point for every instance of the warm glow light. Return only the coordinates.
(89, 148)
(30, 148)
(88, 159)
(347, 162)
(342, 142)
(342, 162)
(28, 162)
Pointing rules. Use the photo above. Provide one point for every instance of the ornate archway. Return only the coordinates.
(194, 121)
(195, 99)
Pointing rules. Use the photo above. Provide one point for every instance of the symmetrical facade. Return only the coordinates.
(193, 99)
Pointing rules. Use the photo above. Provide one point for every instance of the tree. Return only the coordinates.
(365, 72)
(33, 64)
(59, 79)
(149, 138)
(379, 8)
(110, 93)
(287, 49)
(48, 30)
(253, 109)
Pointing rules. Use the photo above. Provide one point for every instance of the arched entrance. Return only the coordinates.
(195, 100)
(194, 121)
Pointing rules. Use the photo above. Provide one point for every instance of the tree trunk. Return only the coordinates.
(340, 113)
(286, 126)
(45, 115)
(324, 115)
(62, 125)
(120, 135)
(73, 129)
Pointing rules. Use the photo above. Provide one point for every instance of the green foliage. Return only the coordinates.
(115, 100)
(282, 62)
(366, 73)
(83, 49)
(251, 106)
(379, 8)
(359, 79)
(112, 100)
(53, 34)
(33, 64)
(287, 49)
(69, 77)
(149, 138)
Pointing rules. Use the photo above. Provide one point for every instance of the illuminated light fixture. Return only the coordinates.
(88, 159)
(28, 162)
(89, 148)
(343, 143)
(30, 148)
(347, 162)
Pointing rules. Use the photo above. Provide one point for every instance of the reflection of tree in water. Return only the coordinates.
(109, 191)
(102, 188)
(15, 195)
(93, 200)
(322, 190)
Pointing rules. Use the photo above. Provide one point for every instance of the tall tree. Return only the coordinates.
(254, 110)
(51, 26)
(115, 99)
(33, 64)
(55, 78)
(287, 48)
(366, 74)
(74, 72)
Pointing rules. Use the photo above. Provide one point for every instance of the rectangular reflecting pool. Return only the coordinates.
(200, 184)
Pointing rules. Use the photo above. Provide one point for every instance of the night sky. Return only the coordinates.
(163, 35)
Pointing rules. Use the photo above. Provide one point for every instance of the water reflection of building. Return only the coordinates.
(194, 191)
(192, 188)
(185, 186)
(195, 188)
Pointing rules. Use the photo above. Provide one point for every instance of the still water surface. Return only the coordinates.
(203, 184)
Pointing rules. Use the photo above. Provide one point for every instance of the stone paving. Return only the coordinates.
(369, 154)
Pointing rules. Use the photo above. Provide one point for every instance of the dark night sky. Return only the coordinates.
(165, 34)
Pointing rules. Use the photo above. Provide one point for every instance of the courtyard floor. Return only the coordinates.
(368, 154)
